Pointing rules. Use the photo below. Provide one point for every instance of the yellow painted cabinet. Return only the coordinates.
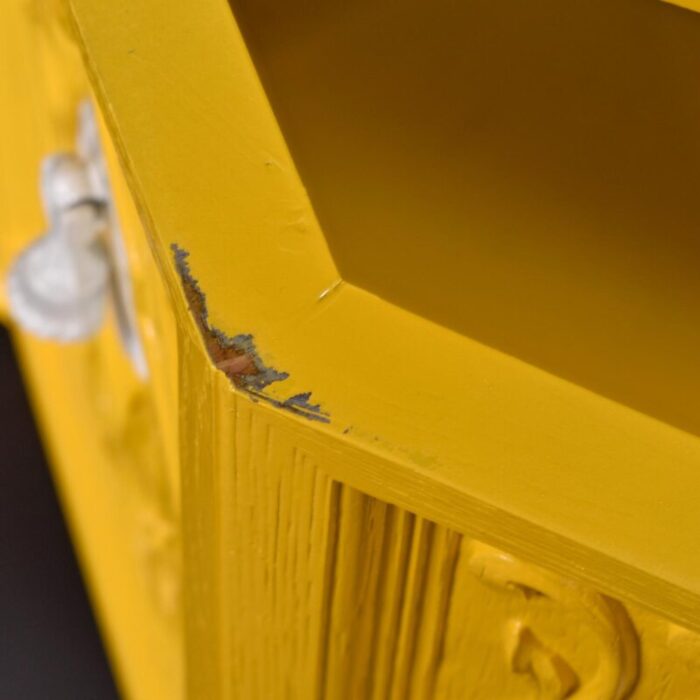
(395, 392)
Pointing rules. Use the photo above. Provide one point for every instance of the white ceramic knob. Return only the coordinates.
(58, 287)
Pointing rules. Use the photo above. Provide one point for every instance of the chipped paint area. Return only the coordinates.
(236, 356)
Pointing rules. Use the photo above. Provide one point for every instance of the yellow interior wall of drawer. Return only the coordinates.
(523, 173)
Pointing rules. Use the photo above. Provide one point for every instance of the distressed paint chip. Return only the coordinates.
(237, 356)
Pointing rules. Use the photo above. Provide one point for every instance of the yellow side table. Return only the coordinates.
(416, 290)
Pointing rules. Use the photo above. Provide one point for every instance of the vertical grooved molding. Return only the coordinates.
(296, 585)
(201, 528)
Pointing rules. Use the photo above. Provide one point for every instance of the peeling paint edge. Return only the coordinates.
(237, 356)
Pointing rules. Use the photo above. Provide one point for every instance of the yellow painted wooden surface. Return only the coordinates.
(477, 439)
(239, 547)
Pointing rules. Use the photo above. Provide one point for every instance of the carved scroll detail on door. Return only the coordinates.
(547, 595)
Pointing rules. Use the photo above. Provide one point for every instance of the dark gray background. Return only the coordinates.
(49, 644)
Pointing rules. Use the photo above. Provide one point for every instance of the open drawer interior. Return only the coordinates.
(525, 173)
